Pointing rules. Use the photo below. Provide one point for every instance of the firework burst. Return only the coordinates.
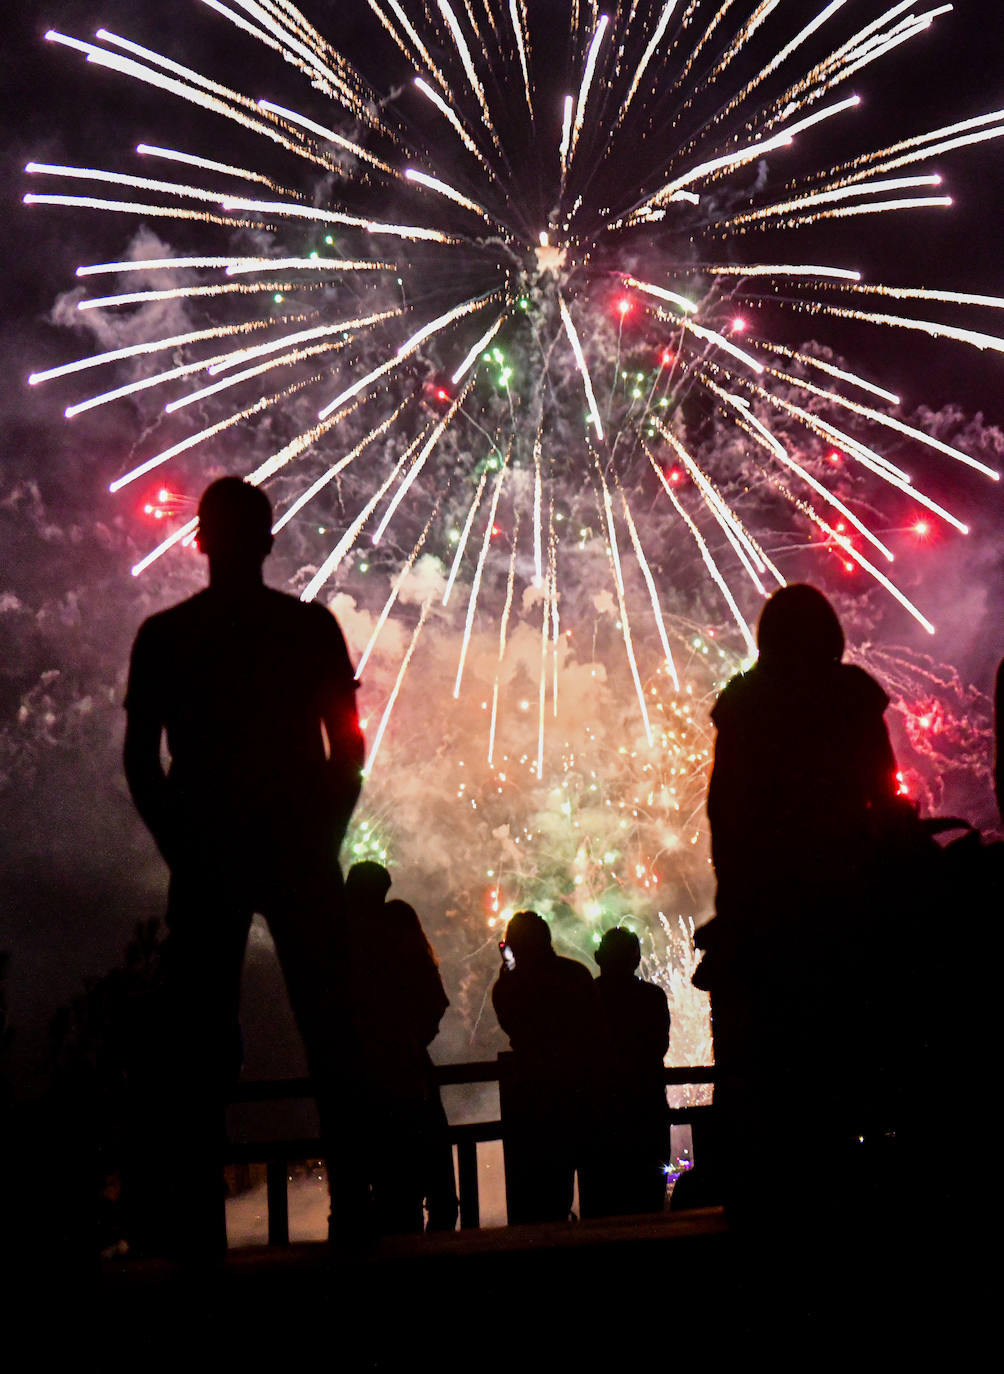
(512, 255)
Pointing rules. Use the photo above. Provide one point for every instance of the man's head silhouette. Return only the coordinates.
(235, 525)
(529, 937)
(367, 884)
(619, 952)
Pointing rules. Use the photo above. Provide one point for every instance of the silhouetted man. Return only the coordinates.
(255, 695)
(548, 1007)
(627, 1173)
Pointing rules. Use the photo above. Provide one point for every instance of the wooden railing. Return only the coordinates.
(277, 1155)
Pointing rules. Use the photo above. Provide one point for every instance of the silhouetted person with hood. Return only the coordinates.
(628, 1169)
(547, 1005)
(397, 1002)
(253, 692)
(802, 801)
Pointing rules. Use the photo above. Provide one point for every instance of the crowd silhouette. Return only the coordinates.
(817, 960)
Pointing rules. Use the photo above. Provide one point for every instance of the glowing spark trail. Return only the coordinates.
(472, 601)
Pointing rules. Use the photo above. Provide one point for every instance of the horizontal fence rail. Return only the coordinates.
(277, 1155)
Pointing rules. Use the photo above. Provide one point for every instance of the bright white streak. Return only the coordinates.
(448, 114)
(503, 634)
(193, 439)
(874, 462)
(207, 164)
(392, 598)
(406, 24)
(102, 58)
(873, 208)
(135, 350)
(440, 322)
(833, 194)
(475, 352)
(717, 164)
(787, 269)
(712, 336)
(838, 372)
(516, 18)
(287, 39)
(319, 331)
(397, 687)
(332, 472)
(587, 78)
(890, 422)
(309, 212)
(646, 57)
(946, 331)
(179, 534)
(650, 289)
(134, 207)
(171, 188)
(472, 600)
(880, 577)
(615, 561)
(95, 269)
(709, 561)
(465, 534)
(538, 494)
(174, 293)
(235, 378)
(330, 564)
(417, 467)
(653, 593)
(797, 41)
(773, 444)
(434, 184)
(748, 553)
(573, 339)
(566, 133)
(406, 348)
(920, 293)
(920, 154)
(545, 635)
(318, 264)
(296, 118)
(128, 388)
(467, 63)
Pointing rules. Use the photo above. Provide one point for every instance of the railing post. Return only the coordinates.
(467, 1170)
(278, 1202)
(510, 1171)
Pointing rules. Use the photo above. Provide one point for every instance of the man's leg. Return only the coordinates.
(194, 1061)
(305, 924)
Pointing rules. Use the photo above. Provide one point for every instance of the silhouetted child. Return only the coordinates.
(548, 1007)
(627, 1172)
(398, 1001)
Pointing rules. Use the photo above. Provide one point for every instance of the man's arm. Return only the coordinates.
(145, 774)
(144, 728)
(346, 746)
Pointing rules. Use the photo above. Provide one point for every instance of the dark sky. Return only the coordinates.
(78, 869)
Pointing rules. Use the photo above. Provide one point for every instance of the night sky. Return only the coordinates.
(78, 869)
